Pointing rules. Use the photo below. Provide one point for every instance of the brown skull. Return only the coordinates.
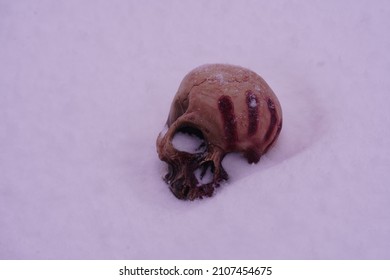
(233, 110)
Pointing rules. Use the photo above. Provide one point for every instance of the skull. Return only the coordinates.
(233, 110)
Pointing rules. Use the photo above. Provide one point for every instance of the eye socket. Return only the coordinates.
(189, 139)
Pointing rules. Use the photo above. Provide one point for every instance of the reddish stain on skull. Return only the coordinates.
(252, 103)
(226, 108)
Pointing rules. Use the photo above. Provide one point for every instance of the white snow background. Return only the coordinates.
(86, 86)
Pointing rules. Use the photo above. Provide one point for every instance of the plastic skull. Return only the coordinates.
(233, 110)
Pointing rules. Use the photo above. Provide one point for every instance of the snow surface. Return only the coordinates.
(188, 143)
(85, 89)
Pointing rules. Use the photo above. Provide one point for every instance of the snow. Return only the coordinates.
(188, 143)
(252, 103)
(86, 86)
(220, 78)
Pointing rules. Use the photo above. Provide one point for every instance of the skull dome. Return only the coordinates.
(232, 109)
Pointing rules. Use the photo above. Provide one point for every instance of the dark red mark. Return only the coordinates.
(272, 111)
(253, 112)
(276, 136)
(252, 155)
(225, 106)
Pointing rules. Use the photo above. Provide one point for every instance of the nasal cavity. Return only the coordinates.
(205, 173)
(189, 139)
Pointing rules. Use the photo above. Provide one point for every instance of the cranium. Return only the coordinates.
(233, 110)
